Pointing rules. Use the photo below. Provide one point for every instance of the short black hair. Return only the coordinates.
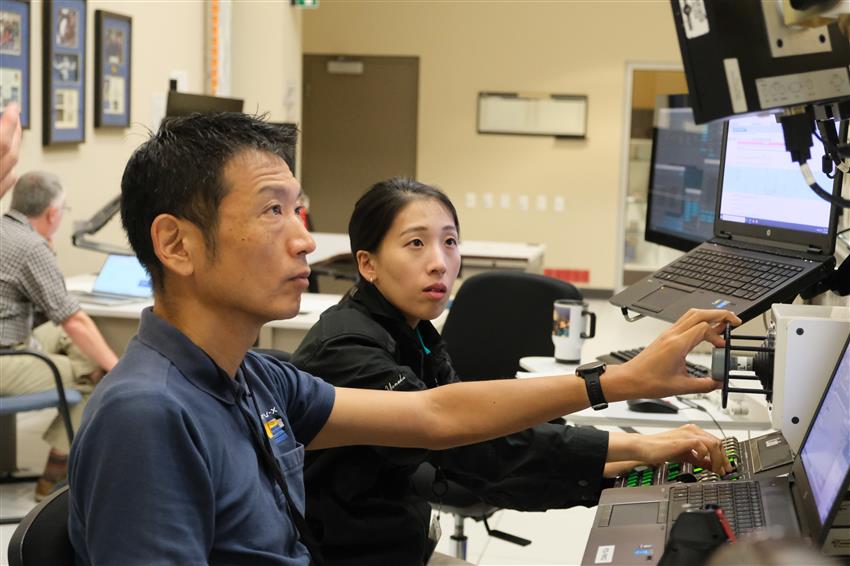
(180, 171)
(376, 210)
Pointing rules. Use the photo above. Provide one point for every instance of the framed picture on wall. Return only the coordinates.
(15, 56)
(112, 71)
(64, 71)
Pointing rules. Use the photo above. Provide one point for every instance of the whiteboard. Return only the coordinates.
(561, 115)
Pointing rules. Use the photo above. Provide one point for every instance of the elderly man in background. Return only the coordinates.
(32, 292)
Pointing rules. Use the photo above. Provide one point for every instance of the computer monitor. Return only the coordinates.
(683, 176)
(741, 57)
(183, 104)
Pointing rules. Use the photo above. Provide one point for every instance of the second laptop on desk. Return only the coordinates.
(773, 237)
(121, 279)
(805, 503)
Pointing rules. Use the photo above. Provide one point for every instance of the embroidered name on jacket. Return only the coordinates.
(399, 381)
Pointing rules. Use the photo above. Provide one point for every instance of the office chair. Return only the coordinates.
(42, 536)
(496, 318)
(11, 405)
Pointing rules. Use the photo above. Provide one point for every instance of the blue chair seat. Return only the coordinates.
(35, 401)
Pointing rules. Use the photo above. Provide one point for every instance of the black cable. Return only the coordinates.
(797, 131)
(699, 407)
(842, 231)
(831, 199)
(268, 460)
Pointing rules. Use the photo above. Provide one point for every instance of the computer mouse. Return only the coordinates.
(652, 406)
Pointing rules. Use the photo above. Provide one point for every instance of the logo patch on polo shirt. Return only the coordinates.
(275, 430)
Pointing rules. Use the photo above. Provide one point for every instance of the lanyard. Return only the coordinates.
(422, 342)
(264, 452)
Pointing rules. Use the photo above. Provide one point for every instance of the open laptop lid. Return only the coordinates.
(762, 196)
(822, 468)
(123, 275)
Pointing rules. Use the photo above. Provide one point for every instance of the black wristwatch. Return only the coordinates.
(590, 373)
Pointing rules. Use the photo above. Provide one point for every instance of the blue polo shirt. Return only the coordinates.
(164, 471)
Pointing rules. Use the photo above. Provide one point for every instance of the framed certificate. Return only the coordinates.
(112, 60)
(15, 56)
(64, 73)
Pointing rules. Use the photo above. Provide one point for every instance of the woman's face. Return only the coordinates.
(418, 260)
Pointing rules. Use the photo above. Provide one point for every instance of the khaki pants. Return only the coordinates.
(21, 375)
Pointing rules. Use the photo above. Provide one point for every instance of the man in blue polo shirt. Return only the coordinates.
(191, 449)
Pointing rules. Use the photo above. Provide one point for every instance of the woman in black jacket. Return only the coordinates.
(360, 503)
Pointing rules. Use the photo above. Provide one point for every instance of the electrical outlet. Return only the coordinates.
(471, 200)
(505, 201)
(541, 203)
(522, 202)
(559, 204)
(487, 200)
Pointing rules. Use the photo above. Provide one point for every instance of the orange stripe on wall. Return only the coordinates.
(214, 12)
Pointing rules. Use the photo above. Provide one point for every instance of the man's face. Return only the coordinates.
(259, 268)
(51, 218)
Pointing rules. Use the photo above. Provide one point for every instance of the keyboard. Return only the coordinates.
(678, 473)
(622, 356)
(741, 502)
(728, 273)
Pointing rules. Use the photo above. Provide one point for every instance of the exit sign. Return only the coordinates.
(306, 3)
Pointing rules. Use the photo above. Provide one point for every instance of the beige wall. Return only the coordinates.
(266, 58)
(167, 36)
(573, 47)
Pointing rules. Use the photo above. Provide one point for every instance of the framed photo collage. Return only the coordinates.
(64, 32)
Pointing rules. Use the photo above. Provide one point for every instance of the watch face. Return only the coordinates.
(592, 367)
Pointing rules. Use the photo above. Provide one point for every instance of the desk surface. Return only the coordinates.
(613, 332)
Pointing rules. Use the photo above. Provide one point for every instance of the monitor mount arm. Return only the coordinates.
(85, 228)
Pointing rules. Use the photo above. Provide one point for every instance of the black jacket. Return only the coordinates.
(360, 503)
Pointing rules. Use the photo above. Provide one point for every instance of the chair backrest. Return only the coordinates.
(42, 536)
(498, 317)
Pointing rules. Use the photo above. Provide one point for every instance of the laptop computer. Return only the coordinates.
(773, 237)
(632, 524)
(121, 279)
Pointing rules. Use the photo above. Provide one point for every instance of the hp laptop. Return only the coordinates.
(773, 237)
(632, 524)
(122, 279)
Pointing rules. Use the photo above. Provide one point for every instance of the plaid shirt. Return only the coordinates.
(31, 286)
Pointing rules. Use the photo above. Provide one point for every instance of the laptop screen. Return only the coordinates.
(123, 275)
(762, 186)
(826, 451)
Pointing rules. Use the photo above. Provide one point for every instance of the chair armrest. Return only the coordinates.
(57, 378)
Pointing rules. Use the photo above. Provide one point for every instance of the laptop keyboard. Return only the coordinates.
(740, 501)
(728, 273)
(622, 356)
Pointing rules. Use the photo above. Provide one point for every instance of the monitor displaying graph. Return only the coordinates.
(684, 174)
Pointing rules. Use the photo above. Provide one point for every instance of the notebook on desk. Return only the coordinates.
(121, 279)
(773, 237)
(632, 524)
